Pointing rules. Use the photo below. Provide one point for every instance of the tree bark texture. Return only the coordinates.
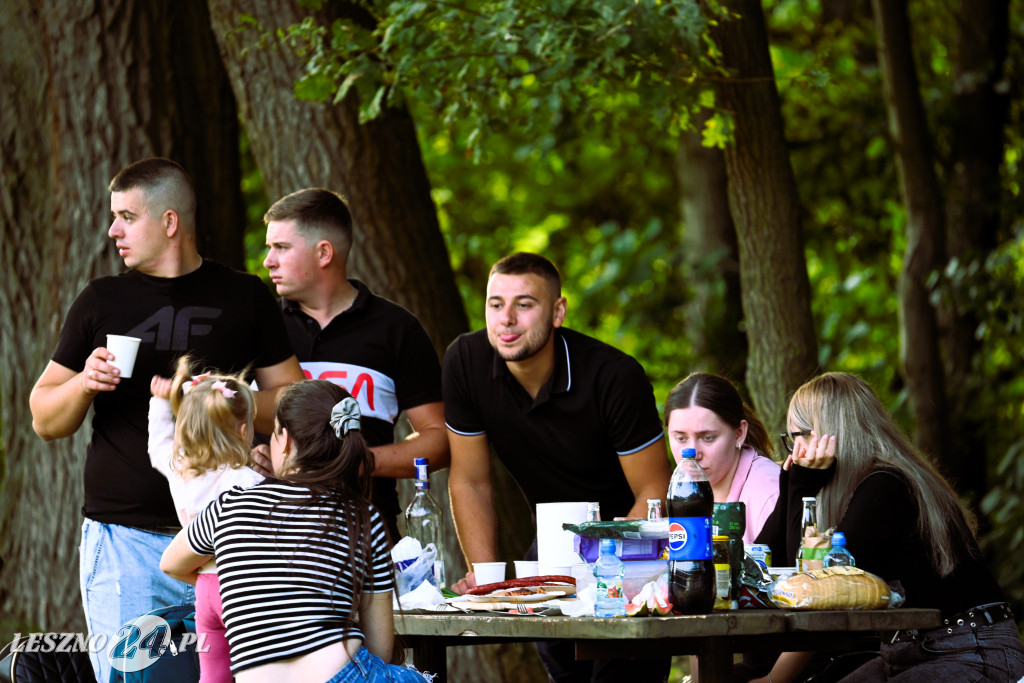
(765, 207)
(398, 248)
(86, 88)
(709, 243)
(973, 201)
(920, 355)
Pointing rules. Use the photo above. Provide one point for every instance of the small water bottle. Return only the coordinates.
(609, 570)
(424, 520)
(839, 556)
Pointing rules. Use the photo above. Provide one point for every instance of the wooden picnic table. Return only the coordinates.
(712, 637)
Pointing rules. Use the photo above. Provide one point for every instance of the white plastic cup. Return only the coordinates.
(525, 568)
(124, 349)
(489, 572)
(554, 569)
(583, 572)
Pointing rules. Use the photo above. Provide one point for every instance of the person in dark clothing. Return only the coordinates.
(344, 333)
(904, 523)
(176, 302)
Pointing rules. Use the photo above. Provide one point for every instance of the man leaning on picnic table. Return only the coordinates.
(570, 417)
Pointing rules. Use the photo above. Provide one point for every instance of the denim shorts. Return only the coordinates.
(119, 571)
(989, 652)
(369, 667)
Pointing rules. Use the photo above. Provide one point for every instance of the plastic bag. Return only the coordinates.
(832, 588)
(414, 564)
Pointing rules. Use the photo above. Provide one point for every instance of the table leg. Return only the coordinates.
(714, 661)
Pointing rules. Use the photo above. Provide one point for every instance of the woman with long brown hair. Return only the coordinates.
(705, 412)
(302, 554)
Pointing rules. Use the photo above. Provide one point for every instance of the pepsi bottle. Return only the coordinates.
(690, 504)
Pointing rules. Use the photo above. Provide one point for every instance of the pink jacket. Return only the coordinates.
(756, 485)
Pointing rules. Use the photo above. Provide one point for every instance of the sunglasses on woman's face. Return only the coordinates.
(788, 437)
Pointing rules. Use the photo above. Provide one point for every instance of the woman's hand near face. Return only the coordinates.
(813, 453)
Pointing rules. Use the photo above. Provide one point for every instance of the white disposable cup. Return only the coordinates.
(489, 572)
(124, 349)
(525, 568)
(583, 572)
(554, 569)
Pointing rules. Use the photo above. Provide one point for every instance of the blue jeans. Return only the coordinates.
(992, 652)
(369, 667)
(119, 571)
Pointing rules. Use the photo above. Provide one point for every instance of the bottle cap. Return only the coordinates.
(421, 461)
(608, 545)
(689, 453)
(719, 539)
(807, 498)
(839, 538)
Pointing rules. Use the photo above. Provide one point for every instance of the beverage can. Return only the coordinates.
(760, 552)
(729, 519)
(723, 573)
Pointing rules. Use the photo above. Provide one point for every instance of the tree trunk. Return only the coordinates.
(765, 207)
(398, 247)
(86, 89)
(973, 201)
(709, 243)
(398, 250)
(920, 356)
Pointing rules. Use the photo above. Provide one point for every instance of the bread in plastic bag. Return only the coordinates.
(833, 588)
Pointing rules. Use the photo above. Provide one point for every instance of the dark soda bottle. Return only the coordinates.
(690, 504)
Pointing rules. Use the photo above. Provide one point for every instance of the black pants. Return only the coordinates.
(559, 657)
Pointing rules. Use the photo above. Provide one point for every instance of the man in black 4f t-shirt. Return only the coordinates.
(572, 419)
(176, 303)
(345, 334)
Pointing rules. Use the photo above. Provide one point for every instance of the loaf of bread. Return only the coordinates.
(832, 588)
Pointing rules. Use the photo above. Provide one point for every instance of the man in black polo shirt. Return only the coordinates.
(572, 418)
(344, 333)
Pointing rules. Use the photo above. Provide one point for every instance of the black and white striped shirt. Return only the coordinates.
(286, 588)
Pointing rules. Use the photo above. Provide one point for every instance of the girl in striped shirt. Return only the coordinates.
(303, 554)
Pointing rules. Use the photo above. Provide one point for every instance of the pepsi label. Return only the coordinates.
(689, 539)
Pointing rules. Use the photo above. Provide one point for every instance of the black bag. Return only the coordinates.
(179, 661)
(18, 666)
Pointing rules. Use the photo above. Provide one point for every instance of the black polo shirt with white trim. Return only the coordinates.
(565, 444)
(381, 354)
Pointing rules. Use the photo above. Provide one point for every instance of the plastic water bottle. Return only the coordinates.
(839, 556)
(424, 521)
(609, 570)
(691, 569)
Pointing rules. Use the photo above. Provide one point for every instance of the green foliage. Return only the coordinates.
(256, 205)
(836, 124)
(602, 205)
(854, 232)
(992, 289)
(487, 65)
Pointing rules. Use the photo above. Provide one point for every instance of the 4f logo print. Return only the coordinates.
(170, 331)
